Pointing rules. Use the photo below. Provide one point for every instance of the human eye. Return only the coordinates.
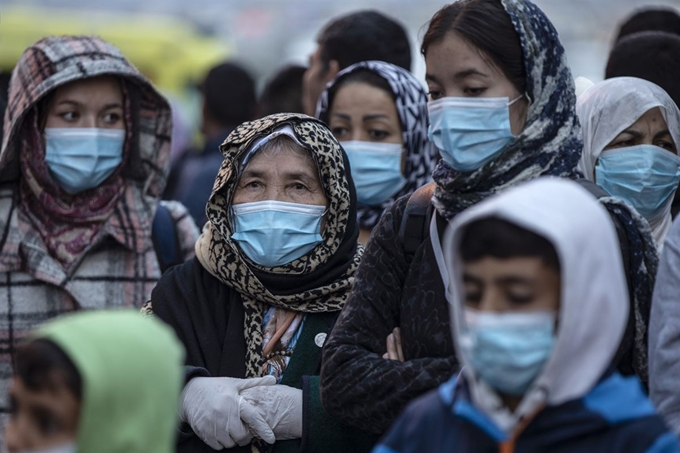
(474, 91)
(473, 294)
(339, 131)
(435, 94)
(377, 134)
(666, 144)
(299, 186)
(112, 118)
(69, 116)
(518, 297)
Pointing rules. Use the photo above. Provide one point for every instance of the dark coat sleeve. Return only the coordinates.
(357, 385)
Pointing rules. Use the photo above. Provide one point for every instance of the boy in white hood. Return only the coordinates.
(538, 304)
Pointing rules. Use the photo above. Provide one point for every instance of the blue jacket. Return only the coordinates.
(616, 416)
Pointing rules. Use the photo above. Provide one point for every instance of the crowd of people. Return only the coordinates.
(351, 262)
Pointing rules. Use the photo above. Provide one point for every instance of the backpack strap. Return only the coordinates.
(415, 223)
(165, 239)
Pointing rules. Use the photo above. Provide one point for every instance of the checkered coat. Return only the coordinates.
(120, 267)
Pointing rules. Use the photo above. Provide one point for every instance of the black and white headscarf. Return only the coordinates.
(411, 102)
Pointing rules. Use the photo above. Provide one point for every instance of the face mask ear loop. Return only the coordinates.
(518, 98)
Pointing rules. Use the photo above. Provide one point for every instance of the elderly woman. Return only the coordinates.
(83, 164)
(273, 268)
(631, 134)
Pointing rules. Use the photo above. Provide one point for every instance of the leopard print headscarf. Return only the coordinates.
(318, 281)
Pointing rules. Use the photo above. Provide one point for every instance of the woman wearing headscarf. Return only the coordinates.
(102, 381)
(378, 112)
(631, 134)
(273, 268)
(83, 165)
(502, 112)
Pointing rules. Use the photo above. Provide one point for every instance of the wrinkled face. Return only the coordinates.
(513, 284)
(455, 68)
(95, 102)
(366, 113)
(315, 79)
(41, 419)
(650, 129)
(283, 174)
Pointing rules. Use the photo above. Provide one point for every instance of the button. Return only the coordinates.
(320, 339)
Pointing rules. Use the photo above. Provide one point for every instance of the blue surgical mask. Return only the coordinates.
(469, 132)
(82, 159)
(273, 233)
(508, 350)
(376, 170)
(644, 176)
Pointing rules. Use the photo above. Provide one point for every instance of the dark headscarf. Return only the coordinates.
(318, 281)
(411, 101)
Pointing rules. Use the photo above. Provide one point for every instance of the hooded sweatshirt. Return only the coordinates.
(131, 371)
(610, 107)
(577, 403)
(97, 251)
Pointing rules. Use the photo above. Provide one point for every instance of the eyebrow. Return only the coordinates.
(662, 133)
(467, 73)
(112, 105)
(375, 116)
(260, 174)
(343, 116)
(514, 281)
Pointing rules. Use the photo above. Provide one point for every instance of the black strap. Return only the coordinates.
(165, 239)
(414, 227)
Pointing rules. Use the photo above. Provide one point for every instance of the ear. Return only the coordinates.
(333, 69)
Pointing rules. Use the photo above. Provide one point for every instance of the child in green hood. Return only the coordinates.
(104, 382)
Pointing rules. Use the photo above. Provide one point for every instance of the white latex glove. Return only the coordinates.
(281, 406)
(219, 415)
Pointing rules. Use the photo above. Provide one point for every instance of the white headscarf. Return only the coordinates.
(610, 107)
(594, 297)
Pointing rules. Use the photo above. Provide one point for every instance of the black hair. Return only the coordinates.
(487, 26)
(229, 93)
(655, 18)
(363, 75)
(498, 238)
(283, 93)
(42, 365)
(650, 55)
(364, 35)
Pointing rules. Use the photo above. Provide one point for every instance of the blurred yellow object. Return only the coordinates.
(169, 51)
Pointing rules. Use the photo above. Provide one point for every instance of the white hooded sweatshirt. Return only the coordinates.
(608, 108)
(594, 298)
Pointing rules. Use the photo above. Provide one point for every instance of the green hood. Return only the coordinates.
(131, 369)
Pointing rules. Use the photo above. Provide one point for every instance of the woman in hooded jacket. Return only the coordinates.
(631, 134)
(83, 165)
(378, 112)
(273, 268)
(502, 112)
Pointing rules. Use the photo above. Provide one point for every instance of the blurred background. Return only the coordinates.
(174, 42)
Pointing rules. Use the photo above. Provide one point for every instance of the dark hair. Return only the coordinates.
(655, 18)
(487, 26)
(362, 75)
(653, 56)
(283, 93)
(501, 239)
(229, 93)
(42, 365)
(362, 36)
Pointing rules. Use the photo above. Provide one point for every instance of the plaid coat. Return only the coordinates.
(120, 267)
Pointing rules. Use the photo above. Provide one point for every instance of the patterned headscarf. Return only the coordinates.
(318, 281)
(550, 143)
(411, 101)
(126, 202)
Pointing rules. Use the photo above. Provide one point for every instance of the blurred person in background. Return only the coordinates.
(96, 382)
(502, 112)
(648, 46)
(537, 351)
(83, 165)
(664, 347)
(378, 112)
(273, 268)
(360, 36)
(631, 134)
(650, 18)
(228, 100)
(283, 92)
